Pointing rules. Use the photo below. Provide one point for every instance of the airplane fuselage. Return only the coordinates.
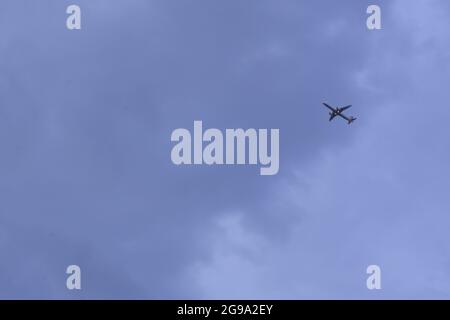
(336, 112)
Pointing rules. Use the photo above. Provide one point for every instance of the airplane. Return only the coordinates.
(338, 112)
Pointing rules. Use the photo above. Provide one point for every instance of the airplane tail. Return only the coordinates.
(351, 120)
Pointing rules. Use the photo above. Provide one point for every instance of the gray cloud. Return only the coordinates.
(380, 199)
(85, 123)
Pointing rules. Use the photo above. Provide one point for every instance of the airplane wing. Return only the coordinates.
(329, 107)
(345, 108)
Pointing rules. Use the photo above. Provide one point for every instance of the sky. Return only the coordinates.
(87, 179)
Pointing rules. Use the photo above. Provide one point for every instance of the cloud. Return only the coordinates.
(85, 128)
(378, 199)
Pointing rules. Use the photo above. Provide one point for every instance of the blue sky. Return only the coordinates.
(86, 175)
